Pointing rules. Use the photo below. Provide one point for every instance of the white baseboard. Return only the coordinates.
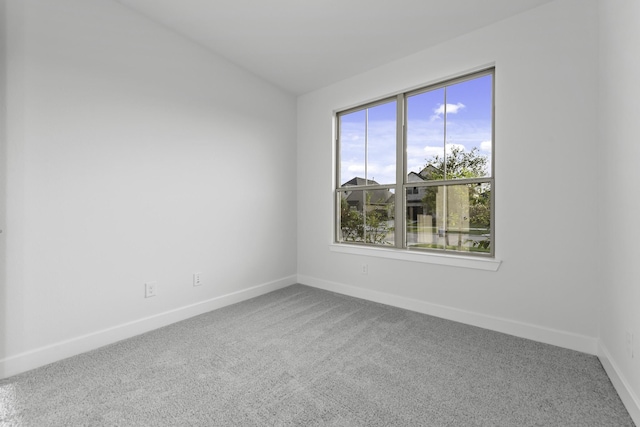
(628, 397)
(558, 338)
(32, 359)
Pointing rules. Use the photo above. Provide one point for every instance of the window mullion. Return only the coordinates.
(401, 173)
(366, 146)
(445, 201)
(444, 154)
(366, 173)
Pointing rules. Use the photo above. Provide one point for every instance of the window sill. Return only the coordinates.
(478, 263)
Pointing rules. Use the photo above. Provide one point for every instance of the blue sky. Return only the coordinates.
(468, 125)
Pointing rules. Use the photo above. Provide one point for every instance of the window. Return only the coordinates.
(415, 171)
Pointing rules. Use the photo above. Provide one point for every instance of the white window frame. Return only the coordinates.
(484, 261)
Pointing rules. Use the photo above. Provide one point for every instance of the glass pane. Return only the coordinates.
(368, 146)
(367, 216)
(351, 216)
(381, 144)
(453, 217)
(468, 112)
(425, 224)
(380, 217)
(425, 135)
(462, 112)
(352, 146)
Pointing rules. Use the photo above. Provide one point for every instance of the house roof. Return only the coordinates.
(359, 181)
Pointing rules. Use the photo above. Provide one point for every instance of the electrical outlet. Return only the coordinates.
(365, 269)
(197, 281)
(150, 289)
(629, 343)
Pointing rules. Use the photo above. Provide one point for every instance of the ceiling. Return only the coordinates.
(302, 45)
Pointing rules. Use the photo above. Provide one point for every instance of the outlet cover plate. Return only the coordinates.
(197, 279)
(150, 289)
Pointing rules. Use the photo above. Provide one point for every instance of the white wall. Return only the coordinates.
(130, 154)
(133, 155)
(619, 212)
(546, 222)
(3, 168)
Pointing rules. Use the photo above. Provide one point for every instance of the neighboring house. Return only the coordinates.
(381, 197)
(359, 181)
(425, 205)
(386, 198)
(416, 195)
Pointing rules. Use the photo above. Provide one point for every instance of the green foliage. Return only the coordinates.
(351, 223)
(461, 164)
(481, 245)
(480, 210)
(370, 227)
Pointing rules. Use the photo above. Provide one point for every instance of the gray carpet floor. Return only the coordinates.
(302, 356)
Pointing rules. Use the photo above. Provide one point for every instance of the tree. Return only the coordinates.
(370, 225)
(459, 164)
(466, 203)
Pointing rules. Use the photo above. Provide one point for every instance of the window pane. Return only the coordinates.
(425, 228)
(425, 135)
(380, 217)
(381, 144)
(462, 113)
(367, 216)
(368, 146)
(469, 128)
(453, 217)
(352, 146)
(351, 216)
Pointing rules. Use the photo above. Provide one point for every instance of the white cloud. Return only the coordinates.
(383, 173)
(431, 150)
(451, 109)
(451, 146)
(415, 166)
(485, 146)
